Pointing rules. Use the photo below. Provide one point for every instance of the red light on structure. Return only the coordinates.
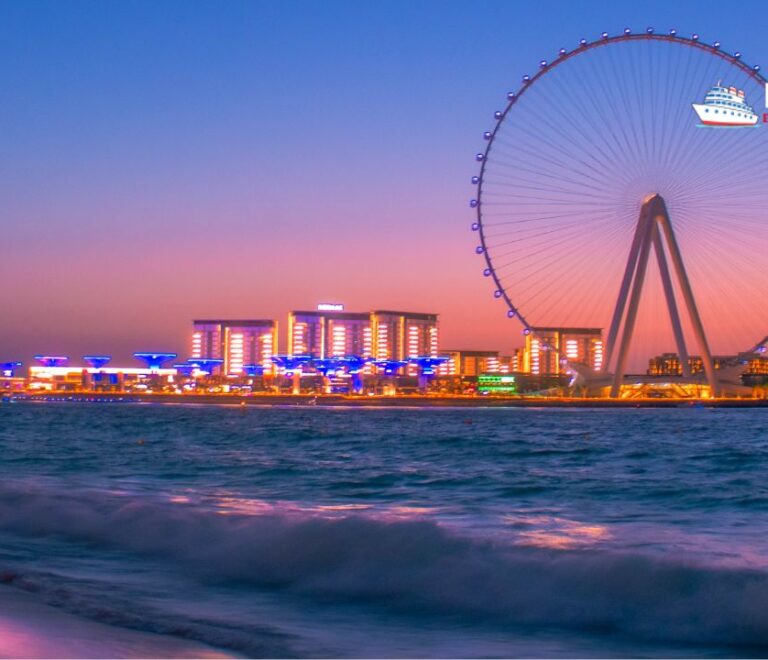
(765, 117)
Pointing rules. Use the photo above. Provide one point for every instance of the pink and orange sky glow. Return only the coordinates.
(164, 162)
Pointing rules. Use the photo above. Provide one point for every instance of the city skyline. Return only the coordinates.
(191, 164)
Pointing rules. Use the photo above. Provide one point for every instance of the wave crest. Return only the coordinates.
(414, 567)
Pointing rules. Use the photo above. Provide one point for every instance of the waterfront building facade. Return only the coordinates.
(381, 334)
(464, 363)
(325, 334)
(546, 348)
(404, 335)
(237, 342)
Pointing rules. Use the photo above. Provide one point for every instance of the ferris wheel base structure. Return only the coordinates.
(653, 231)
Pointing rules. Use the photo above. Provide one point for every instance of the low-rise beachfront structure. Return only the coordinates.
(106, 379)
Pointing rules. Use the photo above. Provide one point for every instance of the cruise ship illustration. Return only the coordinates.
(725, 106)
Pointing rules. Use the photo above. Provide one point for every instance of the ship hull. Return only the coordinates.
(709, 118)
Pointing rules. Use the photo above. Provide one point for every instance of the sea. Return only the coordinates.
(304, 531)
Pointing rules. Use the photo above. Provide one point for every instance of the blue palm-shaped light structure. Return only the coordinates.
(97, 361)
(292, 366)
(325, 367)
(428, 365)
(154, 361)
(291, 363)
(355, 365)
(8, 369)
(52, 360)
(389, 367)
(253, 370)
(206, 366)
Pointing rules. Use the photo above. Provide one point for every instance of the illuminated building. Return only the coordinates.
(668, 364)
(325, 334)
(207, 339)
(545, 348)
(381, 334)
(757, 366)
(471, 363)
(517, 360)
(756, 370)
(403, 335)
(236, 342)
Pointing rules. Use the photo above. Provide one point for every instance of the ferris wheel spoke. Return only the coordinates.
(595, 109)
(538, 230)
(565, 292)
(530, 241)
(593, 187)
(551, 156)
(537, 129)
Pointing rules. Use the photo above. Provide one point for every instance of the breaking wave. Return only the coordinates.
(412, 567)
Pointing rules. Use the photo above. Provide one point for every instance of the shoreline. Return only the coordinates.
(402, 401)
(32, 629)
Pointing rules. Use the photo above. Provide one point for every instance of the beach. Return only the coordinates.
(31, 629)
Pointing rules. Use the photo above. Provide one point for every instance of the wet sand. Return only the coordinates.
(30, 629)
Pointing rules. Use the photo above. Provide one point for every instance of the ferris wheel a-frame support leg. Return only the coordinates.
(645, 224)
(654, 219)
(690, 302)
(626, 282)
(669, 294)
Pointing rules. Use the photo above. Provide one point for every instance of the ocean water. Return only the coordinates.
(304, 531)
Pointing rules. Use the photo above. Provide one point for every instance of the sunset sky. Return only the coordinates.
(163, 161)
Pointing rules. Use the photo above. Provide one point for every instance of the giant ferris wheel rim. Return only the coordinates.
(545, 67)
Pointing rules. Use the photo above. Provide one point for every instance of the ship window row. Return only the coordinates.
(727, 102)
(725, 112)
(738, 106)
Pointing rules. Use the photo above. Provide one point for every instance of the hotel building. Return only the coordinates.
(403, 335)
(669, 364)
(237, 342)
(381, 334)
(473, 363)
(324, 334)
(546, 347)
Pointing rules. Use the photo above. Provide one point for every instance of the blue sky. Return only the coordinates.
(166, 160)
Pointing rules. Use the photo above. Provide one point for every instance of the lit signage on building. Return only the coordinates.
(330, 307)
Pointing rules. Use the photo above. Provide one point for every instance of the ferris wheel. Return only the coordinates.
(620, 148)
